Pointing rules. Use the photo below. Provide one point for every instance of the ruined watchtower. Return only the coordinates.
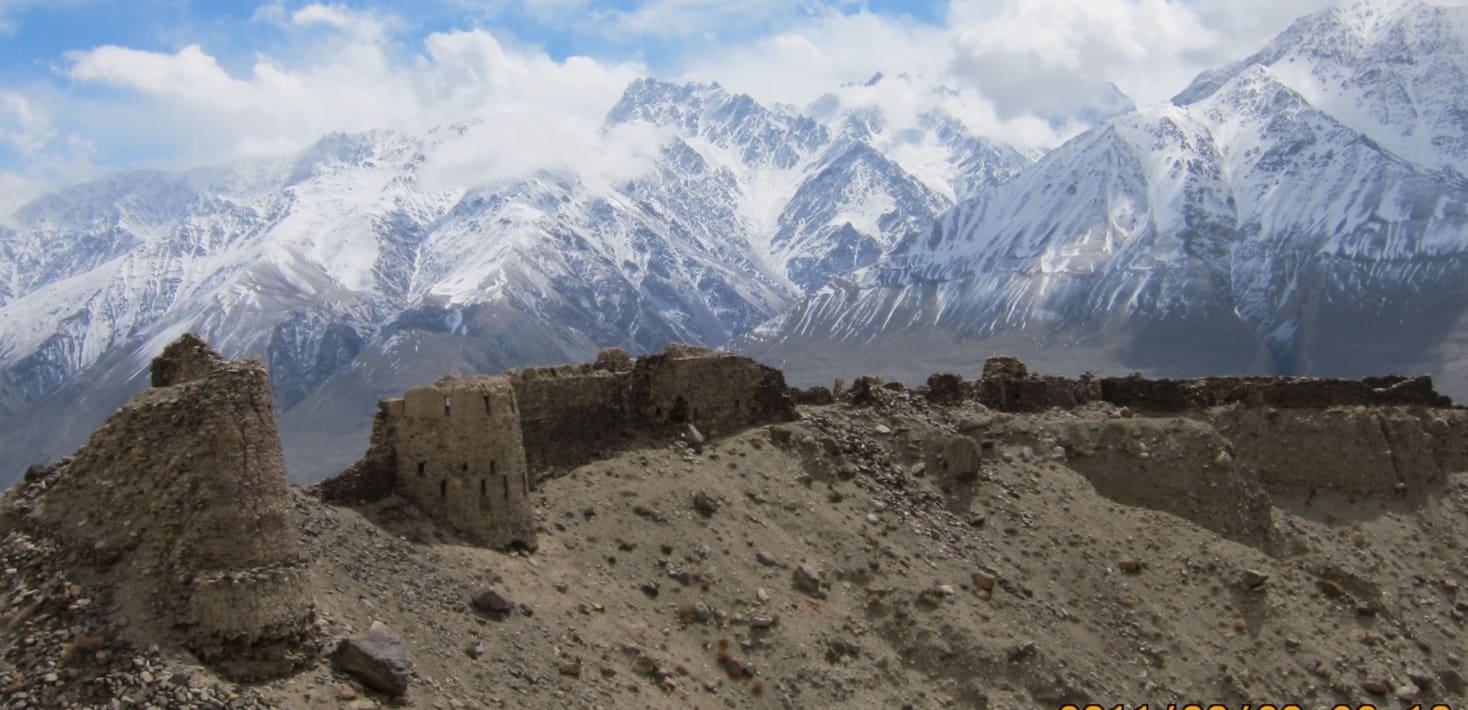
(182, 495)
(454, 449)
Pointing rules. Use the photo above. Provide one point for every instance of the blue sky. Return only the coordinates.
(90, 86)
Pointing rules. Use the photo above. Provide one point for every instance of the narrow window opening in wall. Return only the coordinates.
(506, 482)
(446, 406)
(443, 488)
(679, 412)
(491, 467)
(465, 467)
(486, 404)
(738, 405)
(421, 466)
(481, 488)
(660, 413)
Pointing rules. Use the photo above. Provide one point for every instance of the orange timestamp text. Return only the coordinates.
(1263, 706)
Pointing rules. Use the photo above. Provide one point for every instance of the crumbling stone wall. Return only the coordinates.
(1007, 385)
(1288, 392)
(461, 459)
(373, 477)
(1177, 465)
(463, 449)
(1035, 393)
(1382, 451)
(455, 450)
(567, 414)
(182, 493)
(718, 393)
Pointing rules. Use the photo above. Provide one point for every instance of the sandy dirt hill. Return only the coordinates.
(863, 557)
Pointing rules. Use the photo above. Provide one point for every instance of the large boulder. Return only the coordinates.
(377, 659)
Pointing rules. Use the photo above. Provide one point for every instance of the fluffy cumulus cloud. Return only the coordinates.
(1031, 72)
(836, 56)
(532, 107)
(1054, 56)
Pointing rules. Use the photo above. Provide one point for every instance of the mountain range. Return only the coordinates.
(1303, 211)
(353, 275)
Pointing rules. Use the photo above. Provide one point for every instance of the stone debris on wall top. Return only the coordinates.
(1008, 385)
(186, 359)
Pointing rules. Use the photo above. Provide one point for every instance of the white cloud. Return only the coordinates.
(340, 69)
(1040, 55)
(516, 142)
(837, 54)
(9, 10)
(821, 54)
(1025, 71)
(363, 25)
(15, 191)
(528, 102)
(23, 127)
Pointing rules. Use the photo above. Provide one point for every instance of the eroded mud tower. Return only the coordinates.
(454, 449)
(460, 458)
(182, 494)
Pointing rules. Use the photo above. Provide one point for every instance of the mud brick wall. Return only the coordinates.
(184, 490)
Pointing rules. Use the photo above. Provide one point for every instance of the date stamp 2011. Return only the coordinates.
(1261, 706)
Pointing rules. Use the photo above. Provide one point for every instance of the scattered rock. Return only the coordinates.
(808, 579)
(705, 504)
(490, 601)
(377, 659)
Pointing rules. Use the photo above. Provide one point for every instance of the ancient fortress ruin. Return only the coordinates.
(466, 450)
(182, 495)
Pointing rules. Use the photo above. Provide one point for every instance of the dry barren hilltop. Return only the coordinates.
(684, 531)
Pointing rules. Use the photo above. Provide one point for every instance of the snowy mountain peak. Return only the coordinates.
(1397, 72)
(1275, 212)
(324, 260)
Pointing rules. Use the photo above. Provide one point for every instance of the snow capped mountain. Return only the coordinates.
(1267, 219)
(347, 256)
(1392, 70)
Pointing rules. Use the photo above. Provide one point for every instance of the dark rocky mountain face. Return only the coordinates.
(351, 278)
(1291, 214)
